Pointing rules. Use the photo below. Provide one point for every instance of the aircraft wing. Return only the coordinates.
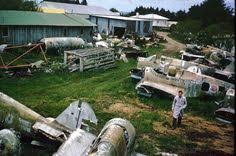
(169, 89)
(191, 89)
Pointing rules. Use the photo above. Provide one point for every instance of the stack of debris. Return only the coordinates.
(193, 52)
(129, 48)
(154, 37)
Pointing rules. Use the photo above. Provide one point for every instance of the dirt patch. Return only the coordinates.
(122, 108)
(171, 45)
(200, 136)
(215, 136)
(127, 109)
(208, 152)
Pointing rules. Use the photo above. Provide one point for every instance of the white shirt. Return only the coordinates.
(178, 104)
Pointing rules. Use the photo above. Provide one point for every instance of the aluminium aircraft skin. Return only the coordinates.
(161, 67)
(18, 116)
(67, 131)
(164, 62)
(192, 83)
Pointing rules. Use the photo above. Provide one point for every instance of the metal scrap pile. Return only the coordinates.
(213, 54)
(129, 46)
(124, 48)
(154, 37)
(204, 73)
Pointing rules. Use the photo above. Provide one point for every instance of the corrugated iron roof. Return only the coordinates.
(151, 17)
(77, 9)
(10, 17)
(122, 18)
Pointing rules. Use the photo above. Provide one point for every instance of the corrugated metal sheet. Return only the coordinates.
(42, 19)
(77, 9)
(151, 17)
(122, 18)
(52, 10)
(26, 34)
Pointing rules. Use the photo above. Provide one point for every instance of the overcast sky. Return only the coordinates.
(129, 5)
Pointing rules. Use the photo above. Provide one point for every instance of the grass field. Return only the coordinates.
(111, 94)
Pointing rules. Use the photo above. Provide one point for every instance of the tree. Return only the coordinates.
(211, 12)
(18, 5)
(180, 15)
(29, 6)
(84, 2)
(114, 10)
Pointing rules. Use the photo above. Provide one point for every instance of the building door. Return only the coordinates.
(119, 32)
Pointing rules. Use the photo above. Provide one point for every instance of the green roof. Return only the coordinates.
(10, 17)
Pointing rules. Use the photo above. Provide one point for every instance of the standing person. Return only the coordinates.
(179, 104)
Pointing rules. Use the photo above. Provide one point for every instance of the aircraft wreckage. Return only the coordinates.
(170, 75)
(226, 112)
(163, 63)
(67, 131)
(193, 84)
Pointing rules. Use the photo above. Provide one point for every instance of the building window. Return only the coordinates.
(5, 31)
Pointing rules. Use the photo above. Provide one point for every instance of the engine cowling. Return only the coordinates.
(116, 138)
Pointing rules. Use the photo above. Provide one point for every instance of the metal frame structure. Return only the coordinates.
(32, 47)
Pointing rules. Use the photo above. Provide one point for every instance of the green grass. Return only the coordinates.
(50, 94)
(177, 38)
(155, 50)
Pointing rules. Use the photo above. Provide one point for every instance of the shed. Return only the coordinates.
(118, 25)
(21, 27)
(107, 22)
(158, 21)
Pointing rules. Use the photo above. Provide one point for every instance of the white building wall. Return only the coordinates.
(106, 25)
(160, 23)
